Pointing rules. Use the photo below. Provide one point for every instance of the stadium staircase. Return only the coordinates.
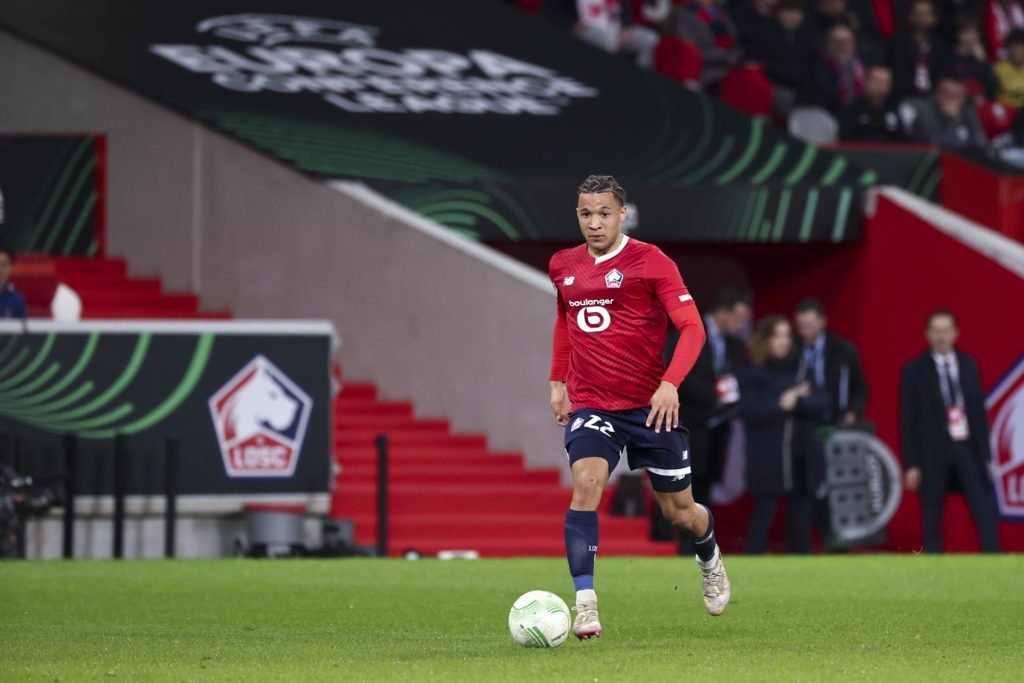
(103, 286)
(450, 492)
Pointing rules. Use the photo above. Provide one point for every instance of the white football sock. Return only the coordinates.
(587, 596)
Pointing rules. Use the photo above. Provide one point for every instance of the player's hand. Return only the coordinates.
(912, 478)
(664, 408)
(560, 403)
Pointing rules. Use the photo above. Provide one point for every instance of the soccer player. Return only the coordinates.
(610, 389)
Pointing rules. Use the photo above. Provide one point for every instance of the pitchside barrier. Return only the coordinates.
(204, 417)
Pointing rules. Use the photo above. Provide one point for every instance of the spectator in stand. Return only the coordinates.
(707, 25)
(837, 79)
(969, 63)
(781, 409)
(752, 18)
(856, 15)
(1002, 16)
(952, 13)
(874, 116)
(787, 48)
(917, 52)
(607, 24)
(12, 303)
(1010, 71)
(947, 118)
(944, 433)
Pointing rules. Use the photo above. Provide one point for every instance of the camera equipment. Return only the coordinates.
(20, 498)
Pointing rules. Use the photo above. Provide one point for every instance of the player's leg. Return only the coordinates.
(666, 457)
(697, 522)
(594, 444)
(589, 477)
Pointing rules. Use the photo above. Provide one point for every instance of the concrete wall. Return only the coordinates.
(459, 329)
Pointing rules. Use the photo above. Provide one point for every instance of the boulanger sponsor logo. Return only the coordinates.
(260, 418)
(864, 484)
(342, 63)
(590, 302)
(1005, 405)
(593, 319)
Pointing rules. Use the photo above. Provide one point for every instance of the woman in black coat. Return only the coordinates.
(781, 409)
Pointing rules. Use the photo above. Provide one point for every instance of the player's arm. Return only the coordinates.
(662, 277)
(665, 402)
(560, 348)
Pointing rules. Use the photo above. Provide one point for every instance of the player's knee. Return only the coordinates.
(681, 516)
(587, 487)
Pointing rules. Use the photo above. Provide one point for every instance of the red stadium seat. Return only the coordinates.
(678, 59)
(996, 118)
(748, 89)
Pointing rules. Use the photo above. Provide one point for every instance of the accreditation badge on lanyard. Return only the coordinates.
(957, 421)
(728, 389)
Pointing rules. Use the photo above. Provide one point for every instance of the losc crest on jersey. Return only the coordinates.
(260, 418)
(1005, 405)
(613, 279)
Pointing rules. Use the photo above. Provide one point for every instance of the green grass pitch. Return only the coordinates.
(887, 618)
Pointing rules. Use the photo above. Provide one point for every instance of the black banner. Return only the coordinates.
(915, 168)
(467, 92)
(250, 404)
(51, 193)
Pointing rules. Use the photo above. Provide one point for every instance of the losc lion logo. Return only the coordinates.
(1005, 405)
(260, 418)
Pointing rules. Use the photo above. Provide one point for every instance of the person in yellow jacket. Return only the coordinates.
(1010, 71)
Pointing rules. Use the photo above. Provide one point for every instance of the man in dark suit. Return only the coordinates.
(708, 395)
(832, 362)
(944, 434)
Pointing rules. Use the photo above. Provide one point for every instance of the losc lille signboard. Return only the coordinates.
(260, 417)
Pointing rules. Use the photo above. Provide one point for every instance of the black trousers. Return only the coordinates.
(980, 499)
(799, 516)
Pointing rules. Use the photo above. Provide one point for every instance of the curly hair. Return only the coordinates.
(595, 184)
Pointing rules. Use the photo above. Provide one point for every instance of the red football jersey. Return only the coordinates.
(614, 307)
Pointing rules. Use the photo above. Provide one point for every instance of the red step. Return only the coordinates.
(344, 408)
(366, 392)
(360, 438)
(383, 422)
(432, 475)
(72, 266)
(472, 460)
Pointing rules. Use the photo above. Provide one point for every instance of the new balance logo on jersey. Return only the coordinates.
(613, 279)
(568, 281)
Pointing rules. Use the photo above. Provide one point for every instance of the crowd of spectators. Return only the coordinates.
(939, 71)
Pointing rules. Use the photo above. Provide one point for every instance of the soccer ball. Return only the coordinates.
(539, 619)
